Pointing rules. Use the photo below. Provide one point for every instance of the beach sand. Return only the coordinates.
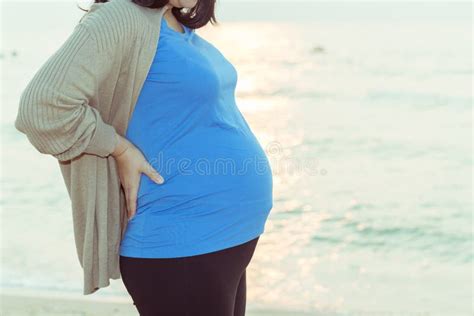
(21, 303)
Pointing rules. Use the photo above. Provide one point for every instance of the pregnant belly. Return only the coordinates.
(211, 173)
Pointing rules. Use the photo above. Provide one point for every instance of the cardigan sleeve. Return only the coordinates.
(55, 111)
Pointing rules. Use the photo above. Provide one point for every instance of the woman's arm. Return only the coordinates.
(55, 111)
(57, 116)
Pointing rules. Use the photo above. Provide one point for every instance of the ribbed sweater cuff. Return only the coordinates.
(103, 141)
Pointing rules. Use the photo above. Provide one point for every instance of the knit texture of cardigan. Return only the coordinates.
(72, 108)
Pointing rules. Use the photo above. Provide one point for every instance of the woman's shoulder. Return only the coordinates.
(115, 21)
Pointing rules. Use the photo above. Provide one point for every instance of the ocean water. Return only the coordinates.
(365, 112)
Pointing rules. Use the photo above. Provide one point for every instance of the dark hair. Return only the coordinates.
(196, 17)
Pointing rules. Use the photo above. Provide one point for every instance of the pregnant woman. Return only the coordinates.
(140, 111)
(187, 245)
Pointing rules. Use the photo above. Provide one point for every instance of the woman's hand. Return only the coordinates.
(131, 163)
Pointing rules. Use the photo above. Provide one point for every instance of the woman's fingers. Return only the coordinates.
(131, 164)
(131, 194)
(152, 173)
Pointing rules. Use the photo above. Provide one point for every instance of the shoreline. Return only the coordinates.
(23, 302)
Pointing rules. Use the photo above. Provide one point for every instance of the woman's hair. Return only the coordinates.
(196, 17)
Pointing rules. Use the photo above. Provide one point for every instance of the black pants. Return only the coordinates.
(211, 284)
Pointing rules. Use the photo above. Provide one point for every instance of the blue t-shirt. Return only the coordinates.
(218, 182)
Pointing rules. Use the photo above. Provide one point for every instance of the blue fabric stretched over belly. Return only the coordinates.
(218, 182)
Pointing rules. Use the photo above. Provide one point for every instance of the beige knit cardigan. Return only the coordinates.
(72, 108)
